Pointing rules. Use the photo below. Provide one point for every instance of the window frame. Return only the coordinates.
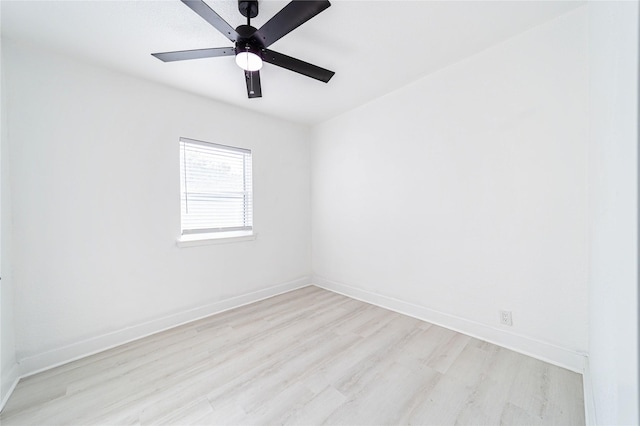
(200, 236)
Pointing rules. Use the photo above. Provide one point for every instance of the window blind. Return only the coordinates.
(215, 187)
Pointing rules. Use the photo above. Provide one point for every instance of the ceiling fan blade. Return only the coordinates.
(254, 89)
(183, 55)
(297, 65)
(206, 13)
(289, 18)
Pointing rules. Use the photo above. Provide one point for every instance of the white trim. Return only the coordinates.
(589, 401)
(9, 382)
(544, 351)
(194, 240)
(44, 361)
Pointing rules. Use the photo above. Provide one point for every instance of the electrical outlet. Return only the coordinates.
(505, 318)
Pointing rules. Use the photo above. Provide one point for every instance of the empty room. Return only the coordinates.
(312, 212)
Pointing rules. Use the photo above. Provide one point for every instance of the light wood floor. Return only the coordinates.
(306, 357)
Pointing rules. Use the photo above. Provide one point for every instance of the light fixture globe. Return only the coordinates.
(248, 61)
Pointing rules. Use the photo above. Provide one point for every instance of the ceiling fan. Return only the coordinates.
(251, 44)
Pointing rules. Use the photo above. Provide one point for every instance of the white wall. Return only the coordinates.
(465, 193)
(95, 199)
(613, 279)
(8, 366)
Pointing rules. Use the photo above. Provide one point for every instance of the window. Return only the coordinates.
(215, 189)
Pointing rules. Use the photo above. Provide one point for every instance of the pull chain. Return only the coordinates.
(251, 92)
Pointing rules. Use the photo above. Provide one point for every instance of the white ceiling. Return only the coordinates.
(373, 46)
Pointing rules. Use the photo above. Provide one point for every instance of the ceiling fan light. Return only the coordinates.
(248, 61)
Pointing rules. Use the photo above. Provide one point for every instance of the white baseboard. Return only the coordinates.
(544, 351)
(589, 401)
(10, 379)
(36, 363)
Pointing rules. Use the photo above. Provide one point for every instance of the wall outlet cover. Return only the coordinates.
(506, 318)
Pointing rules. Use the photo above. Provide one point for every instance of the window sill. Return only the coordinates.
(195, 240)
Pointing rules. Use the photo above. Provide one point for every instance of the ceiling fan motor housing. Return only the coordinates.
(248, 41)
